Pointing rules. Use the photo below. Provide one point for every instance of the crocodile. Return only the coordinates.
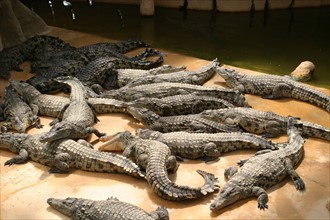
(17, 114)
(97, 73)
(262, 171)
(267, 123)
(76, 118)
(12, 57)
(51, 105)
(65, 154)
(111, 208)
(197, 77)
(180, 104)
(155, 157)
(189, 123)
(126, 76)
(205, 145)
(159, 90)
(101, 72)
(273, 87)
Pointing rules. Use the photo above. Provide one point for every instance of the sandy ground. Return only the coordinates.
(25, 188)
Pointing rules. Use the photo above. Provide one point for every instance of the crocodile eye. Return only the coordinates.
(140, 150)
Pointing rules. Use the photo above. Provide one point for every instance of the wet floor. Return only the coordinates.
(274, 42)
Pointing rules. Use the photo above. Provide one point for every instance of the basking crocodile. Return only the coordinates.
(112, 208)
(12, 57)
(197, 77)
(264, 170)
(101, 72)
(189, 123)
(260, 122)
(180, 104)
(51, 105)
(17, 114)
(78, 116)
(65, 154)
(126, 76)
(273, 87)
(155, 157)
(205, 145)
(159, 90)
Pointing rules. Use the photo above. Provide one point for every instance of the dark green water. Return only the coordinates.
(274, 42)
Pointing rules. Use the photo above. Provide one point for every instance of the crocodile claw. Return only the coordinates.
(299, 183)
(10, 162)
(262, 206)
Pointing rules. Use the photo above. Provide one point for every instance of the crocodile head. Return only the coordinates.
(229, 194)
(25, 90)
(118, 141)
(147, 134)
(145, 116)
(12, 141)
(20, 124)
(58, 131)
(231, 76)
(160, 213)
(65, 206)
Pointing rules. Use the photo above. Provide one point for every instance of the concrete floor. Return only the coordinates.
(25, 188)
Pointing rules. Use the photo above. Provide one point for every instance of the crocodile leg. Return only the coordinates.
(281, 90)
(242, 162)
(85, 143)
(90, 130)
(59, 116)
(61, 163)
(37, 121)
(273, 129)
(262, 197)
(211, 152)
(22, 157)
(229, 172)
(172, 164)
(298, 182)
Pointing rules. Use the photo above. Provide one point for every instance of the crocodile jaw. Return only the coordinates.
(228, 195)
(58, 131)
(114, 142)
(62, 205)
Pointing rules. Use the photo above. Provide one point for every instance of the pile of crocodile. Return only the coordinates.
(181, 118)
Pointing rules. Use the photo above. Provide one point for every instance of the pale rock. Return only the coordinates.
(303, 72)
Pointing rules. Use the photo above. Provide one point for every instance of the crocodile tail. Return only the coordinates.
(211, 182)
(128, 45)
(315, 130)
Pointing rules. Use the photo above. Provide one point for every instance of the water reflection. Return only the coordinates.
(271, 41)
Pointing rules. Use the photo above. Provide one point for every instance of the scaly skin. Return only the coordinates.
(206, 145)
(159, 90)
(100, 73)
(259, 122)
(78, 116)
(264, 170)
(18, 115)
(126, 76)
(51, 105)
(274, 87)
(11, 58)
(189, 123)
(197, 77)
(112, 208)
(65, 154)
(155, 157)
(180, 104)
